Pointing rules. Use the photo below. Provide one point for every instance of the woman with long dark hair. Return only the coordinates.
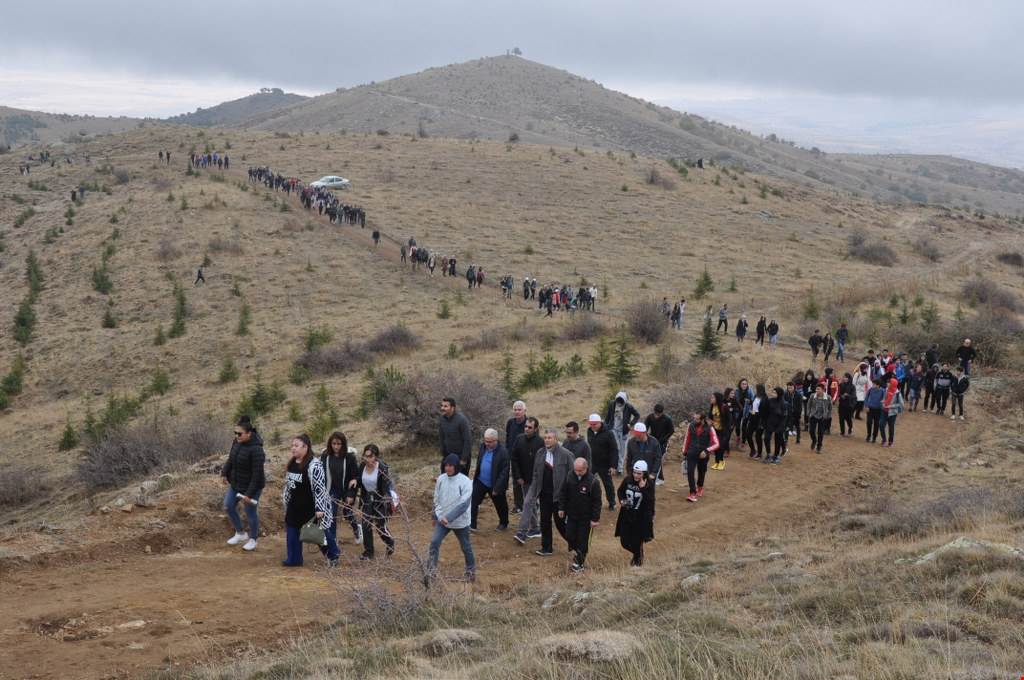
(374, 487)
(846, 403)
(773, 421)
(753, 431)
(340, 468)
(305, 497)
(719, 416)
(244, 476)
(744, 399)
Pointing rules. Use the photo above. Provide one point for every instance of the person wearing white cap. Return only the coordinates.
(643, 447)
(604, 452)
(635, 524)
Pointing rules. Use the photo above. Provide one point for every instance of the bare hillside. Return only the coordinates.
(266, 101)
(19, 127)
(497, 97)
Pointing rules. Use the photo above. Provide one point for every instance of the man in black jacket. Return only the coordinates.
(605, 454)
(958, 389)
(244, 476)
(965, 354)
(491, 479)
(660, 426)
(580, 505)
(620, 416)
(642, 446)
(455, 435)
(943, 382)
(515, 425)
(522, 453)
(575, 444)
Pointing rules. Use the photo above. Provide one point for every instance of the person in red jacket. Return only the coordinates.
(701, 441)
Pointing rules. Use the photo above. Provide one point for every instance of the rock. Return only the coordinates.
(136, 646)
(550, 602)
(776, 555)
(98, 392)
(444, 641)
(127, 508)
(148, 550)
(969, 544)
(595, 645)
(692, 580)
(131, 625)
(164, 481)
(157, 524)
(105, 509)
(120, 502)
(49, 529)
(149, 486)
(144, 501)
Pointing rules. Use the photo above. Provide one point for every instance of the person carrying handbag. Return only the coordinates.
(378, 500)
(305, 499)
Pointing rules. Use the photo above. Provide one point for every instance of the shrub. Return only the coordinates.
(602, 355)
(223, 245)
(166, 251)
(872, 252)
(109, 320)
(653, 177)
(686, 394)
(315, 338)
(180, 312)
(160, 338)
(704, 285)
(20, 485)
(14, 381)
(124, 455)
(377, 388)
(24, 322)
(23, 217)
(228, 371)
(575, 367)
(982, 291)
(244, 317)
(353, 356)
(261, 399)
(811, 307)
(410, 410)
(33, 274)
(159, 384)
(928, 249)
(299, 375)
(646, 322)
(709, 346)
(101, 280)
(394, 339)
(621, 370)
(445, 312)
(583, 327)
(1013, 259)
(325, 416)
(68, 438)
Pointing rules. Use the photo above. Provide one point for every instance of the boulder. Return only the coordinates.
(165, 481)
(969, 545)
(594, 645)
(443, 641)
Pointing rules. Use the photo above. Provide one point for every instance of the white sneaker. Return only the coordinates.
(238, 538)
(952, 417)
(250, 545)
(659, 482)
(359, 534)
(961, 417)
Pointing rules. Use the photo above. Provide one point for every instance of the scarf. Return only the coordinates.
(890, 392)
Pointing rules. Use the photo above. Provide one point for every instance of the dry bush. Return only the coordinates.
(688, 393)
(583, 327)
(124, 455)
(1013, 259)
(495, 339)
(20, 485)
(167, 250)
(393, 340)
(646, 322)
(860, 246)
(219, 244)
(654, 177)
(411, 410)
(982, 291)
(928, 248)
(958, 510)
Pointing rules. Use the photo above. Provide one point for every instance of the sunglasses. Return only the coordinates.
(239, 434)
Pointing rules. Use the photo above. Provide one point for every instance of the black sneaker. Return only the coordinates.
(365, 557)
(533, 534)
(501, 527)
(575, 568)
(520, 538)
(543, 553)
(517, 511)
(390, 551)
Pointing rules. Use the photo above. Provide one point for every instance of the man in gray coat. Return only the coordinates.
(551, 466)
(455, 435)
(575, 444)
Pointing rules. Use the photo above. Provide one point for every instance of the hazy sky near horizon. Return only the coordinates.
(904, 75)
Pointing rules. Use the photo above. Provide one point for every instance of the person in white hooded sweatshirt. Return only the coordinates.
(620, 417)
(453, 496)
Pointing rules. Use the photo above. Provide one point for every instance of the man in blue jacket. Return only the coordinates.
(491, 478)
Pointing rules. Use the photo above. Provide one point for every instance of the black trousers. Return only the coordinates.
(858, 410)
(609, 486)
(630, 540)
(374, 520)
(929, 398)
(723, 323)
(958, 400)
(816, 426)
(480, 492)
(518, 494)
(577, 534)
(547, 516)
(696, 467)
(940, 399)
(845, 421)
(873, 426)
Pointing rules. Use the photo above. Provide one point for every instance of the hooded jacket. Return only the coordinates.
(629, 413)
(861, 382)
(452, 499)
(244, 468)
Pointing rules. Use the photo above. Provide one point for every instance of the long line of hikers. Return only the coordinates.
(562, 478)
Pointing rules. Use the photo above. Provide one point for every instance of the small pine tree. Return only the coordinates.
(549, 369)
(621, 370)
(160, 384)
(159, 339)
(68, 438)
(180, 312)
(732, 284)
(446, 311)
(811, 309)
(531, 379)
(244, 317)
(704, 285)
(602, 355)
(959, 313)
(575, 367)
(228, 371)
(708, 347)
(929, 317)
(325, 415)
(109, 320)
(507, 369)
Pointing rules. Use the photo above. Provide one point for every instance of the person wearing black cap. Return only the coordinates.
(661, 427)
(453, 496)
(635, 524)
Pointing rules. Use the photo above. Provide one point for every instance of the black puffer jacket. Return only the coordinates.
(244, 469)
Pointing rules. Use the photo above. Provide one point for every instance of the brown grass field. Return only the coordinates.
(802, 579)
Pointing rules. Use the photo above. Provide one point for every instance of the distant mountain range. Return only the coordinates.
(238, 111)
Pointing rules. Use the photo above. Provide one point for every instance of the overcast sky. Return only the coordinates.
(900, 75)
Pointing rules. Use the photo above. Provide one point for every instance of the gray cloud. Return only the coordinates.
(941, 49)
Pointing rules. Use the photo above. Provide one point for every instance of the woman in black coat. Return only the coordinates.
(635, 525)
(374, 489)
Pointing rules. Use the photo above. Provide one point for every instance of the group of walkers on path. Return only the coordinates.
(562, 480)
(316, 198)
(205, 160)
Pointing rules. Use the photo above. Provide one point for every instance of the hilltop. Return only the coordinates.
(19, 127)
(498, 97)
(266, 101)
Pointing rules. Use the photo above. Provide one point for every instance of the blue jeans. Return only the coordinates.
(251, 512)
(440, 531)
(331, 549)
(293, 546)
(840, 350)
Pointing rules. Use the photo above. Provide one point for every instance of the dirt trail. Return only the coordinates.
(131, 613)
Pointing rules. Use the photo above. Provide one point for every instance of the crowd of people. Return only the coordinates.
(206, 160)
(562, 480)
(318, 198)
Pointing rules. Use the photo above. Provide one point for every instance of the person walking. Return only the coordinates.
(754, 428)
(244, 476)
(795, 395)
(943, 384)
(620, 416)
(819, 412)
(454, 429)
(957, 389)
(491, 479)
(873, 403)
(723, 319)
(304, 497)
(523, 451)
(827, 346)
(551, 466)
(453, 495)
(773, 419)
(660, 426)
(892, 406)
(842, 337)
(635, 524)
(676, 317)
(700, 442)
(576, 444)
(340, 467)
(965, 354)
(741, 328)
(846, 404)
(915, 382)
(642, 446)
(773, 333)
(605, 454)
(815, 344)
(760, 329)
(861, 385)
(719, 416)
(199, 277)
(515, 425)
(376, 495)
(579, 506)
